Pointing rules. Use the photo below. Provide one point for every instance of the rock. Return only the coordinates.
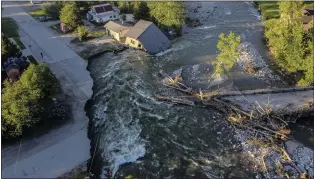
(291, 146)
(252, 62)
(304, 159)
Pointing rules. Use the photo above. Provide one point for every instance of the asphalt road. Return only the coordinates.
(64, 148)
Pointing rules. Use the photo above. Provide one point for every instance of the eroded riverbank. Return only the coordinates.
(133, 134)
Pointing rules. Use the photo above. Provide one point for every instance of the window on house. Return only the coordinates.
(110, 17)
(114, 16)
(132, 41)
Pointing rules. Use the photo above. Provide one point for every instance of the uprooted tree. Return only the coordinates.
(226, 59)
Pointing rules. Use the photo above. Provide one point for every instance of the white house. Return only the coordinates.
(103, 13)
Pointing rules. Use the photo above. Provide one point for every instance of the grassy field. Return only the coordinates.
(91, 35)
(270, 9)
(9, 27)
(37, 13)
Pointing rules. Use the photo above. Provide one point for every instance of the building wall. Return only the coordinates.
(107, 16)
(133, 43)
(115, 35)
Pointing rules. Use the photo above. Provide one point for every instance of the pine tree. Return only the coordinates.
(167, 14)
(70, 15)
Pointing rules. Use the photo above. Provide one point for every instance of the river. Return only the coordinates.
(133, 134)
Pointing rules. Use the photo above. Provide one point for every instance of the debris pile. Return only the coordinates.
(263, 132)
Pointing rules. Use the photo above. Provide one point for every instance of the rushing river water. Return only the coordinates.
(133, 134)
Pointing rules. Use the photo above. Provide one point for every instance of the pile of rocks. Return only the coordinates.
(302, 157)
(253, 63)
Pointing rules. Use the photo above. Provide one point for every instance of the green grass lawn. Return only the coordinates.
(19, 43)
(32, 59)
(9, 27)
(270, 9)
(37, 13)
(91, 35)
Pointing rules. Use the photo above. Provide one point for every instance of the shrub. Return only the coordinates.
(82, 32)
(8, 49)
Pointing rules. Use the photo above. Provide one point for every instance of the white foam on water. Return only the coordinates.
(255, 13)
(208, 36)
(122, 143)
(205, 27)
(228, 12)
(173, 49)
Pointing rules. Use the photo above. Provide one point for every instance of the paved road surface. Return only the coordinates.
(61, 149)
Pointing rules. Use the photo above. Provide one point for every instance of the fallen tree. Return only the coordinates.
(266, 128)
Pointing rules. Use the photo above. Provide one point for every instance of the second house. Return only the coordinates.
(143, 35)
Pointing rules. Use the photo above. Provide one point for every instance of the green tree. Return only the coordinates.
(51, 10)
(140, 10)
(21, 101)
(8, 49)
(168, 14)
(70, 15)
(226, 59)
(307, 65)
(125, 6)
(289, 45)
(82, 32)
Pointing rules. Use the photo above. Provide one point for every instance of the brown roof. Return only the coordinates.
(309, 11)
(117, 26)
(139, 28)
(102, 8)
(306, 19)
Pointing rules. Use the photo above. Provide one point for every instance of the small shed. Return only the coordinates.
(307, 22)
(308, 12)
(13, 72)
(64, 28)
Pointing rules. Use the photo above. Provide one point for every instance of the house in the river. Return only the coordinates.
(147, 36)
(118, 30)
(308, 18)
(103, 13)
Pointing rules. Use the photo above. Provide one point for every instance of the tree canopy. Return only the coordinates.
(70, 15)
(227, 45)
(52, 10)
(140, 10)
(21, 101)
(169, 14)
(289, 44)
